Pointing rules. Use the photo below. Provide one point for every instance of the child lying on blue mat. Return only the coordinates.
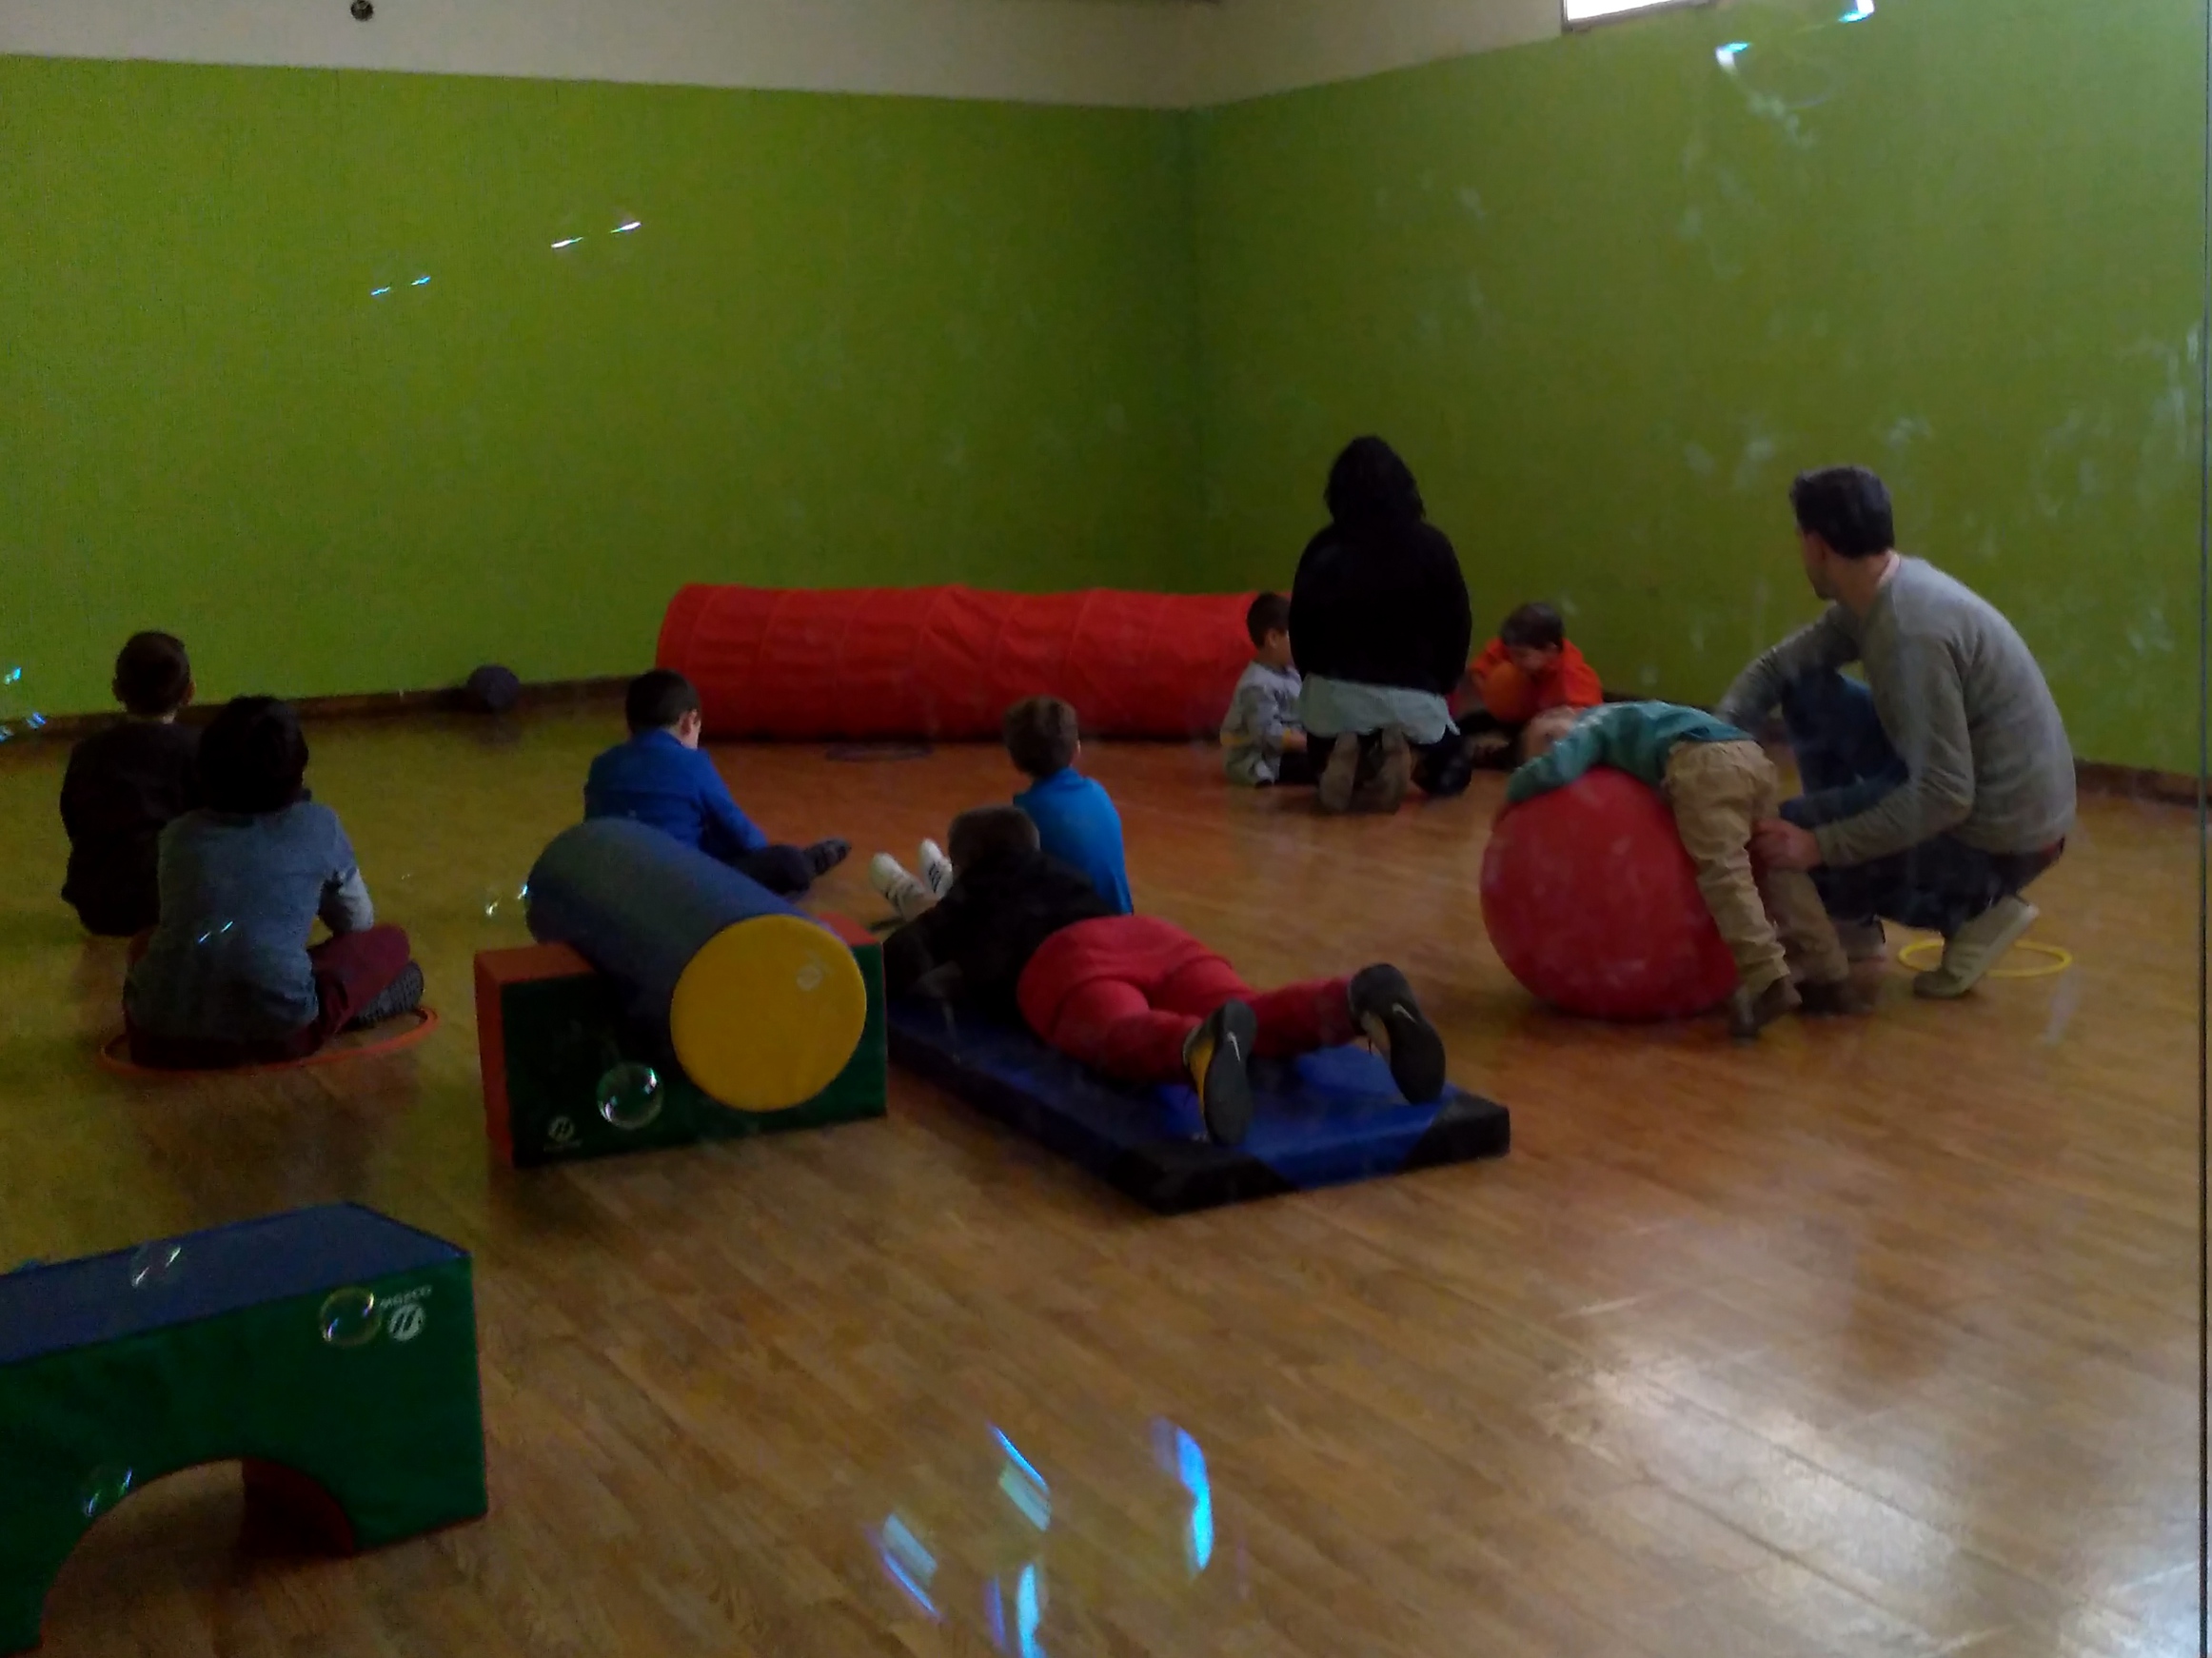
(1133, 997)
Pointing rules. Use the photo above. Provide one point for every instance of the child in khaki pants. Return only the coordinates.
(1720, 785)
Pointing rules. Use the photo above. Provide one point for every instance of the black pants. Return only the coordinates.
(1299, 770)
(784, 870)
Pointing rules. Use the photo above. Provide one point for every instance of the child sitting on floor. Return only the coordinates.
(661, 778)
(1132, 996)
(1074, 817)
(227, 978)
(1530, 666)
(126, 784)
(1261, 739)
(1720, 785)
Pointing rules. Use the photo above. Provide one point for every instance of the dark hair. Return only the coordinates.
(1042, 735)
(254, 757)
(1532, 627)
(152, 674)
(659, 699)
(1270, 613)
(1369, 484)
(1847, 507)
(989, 835)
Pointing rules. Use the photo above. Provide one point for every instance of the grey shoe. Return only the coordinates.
(1974, 949)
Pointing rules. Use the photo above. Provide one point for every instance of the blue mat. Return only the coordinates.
(1325, 1119)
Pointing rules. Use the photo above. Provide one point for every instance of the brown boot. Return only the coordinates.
(1383, 790)
(1752, 1012)
(1338, 776)
(1838, 998)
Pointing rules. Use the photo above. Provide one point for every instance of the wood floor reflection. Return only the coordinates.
(1878, 1339)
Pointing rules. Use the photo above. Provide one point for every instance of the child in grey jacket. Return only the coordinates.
(1261, 739)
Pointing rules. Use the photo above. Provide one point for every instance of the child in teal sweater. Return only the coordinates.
(1720, 785)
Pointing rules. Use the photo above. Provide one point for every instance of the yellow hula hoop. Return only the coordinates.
(1922, 955)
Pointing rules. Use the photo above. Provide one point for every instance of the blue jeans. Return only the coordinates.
(1847, 765)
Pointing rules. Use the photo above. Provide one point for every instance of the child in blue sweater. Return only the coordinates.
(661, 776)
(1074, 816)
(1720, 785)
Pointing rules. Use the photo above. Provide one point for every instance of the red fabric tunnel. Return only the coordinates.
(944, 663)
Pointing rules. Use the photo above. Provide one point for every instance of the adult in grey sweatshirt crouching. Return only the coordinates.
(1938, 790)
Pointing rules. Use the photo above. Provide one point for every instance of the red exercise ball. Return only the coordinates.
(1594, 906)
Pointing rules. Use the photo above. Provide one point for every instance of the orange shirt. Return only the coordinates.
(1513, 699)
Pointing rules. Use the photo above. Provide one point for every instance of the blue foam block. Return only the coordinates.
(204, 1274)
(1322, 1120)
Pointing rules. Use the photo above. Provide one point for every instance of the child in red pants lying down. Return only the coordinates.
(1133, 997)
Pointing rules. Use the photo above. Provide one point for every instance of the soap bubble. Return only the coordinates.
(351, 1317)
(154, 1264)
(106, 1486)
(499, 900)
(629, 1096)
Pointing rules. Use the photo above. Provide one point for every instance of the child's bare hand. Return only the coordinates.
(1294, 741)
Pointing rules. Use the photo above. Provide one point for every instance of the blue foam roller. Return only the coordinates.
(639, 903)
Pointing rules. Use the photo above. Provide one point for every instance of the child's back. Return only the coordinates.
(1074, 817)
(240, 895)
(124, 785)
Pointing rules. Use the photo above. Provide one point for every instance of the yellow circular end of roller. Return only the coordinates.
(768, 1013)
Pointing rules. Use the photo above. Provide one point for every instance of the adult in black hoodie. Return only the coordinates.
(1380, 627)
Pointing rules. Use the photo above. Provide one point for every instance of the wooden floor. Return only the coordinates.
(1878, 1339)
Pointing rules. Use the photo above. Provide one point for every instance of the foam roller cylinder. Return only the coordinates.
(763, 1005)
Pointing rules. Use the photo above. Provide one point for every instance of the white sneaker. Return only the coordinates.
(936, 870)
(907, 896)
(1974, 949)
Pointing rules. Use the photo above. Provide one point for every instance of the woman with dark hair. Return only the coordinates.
(227, 977)
(1380, 627)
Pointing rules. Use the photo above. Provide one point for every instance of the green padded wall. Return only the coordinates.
(1609, 295)
(852, 340)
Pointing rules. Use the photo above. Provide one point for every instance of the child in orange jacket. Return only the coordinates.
(1530, 666)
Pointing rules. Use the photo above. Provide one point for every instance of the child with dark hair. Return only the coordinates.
(1074, 817)
(124, 784)
(1530, 666)
(661, 778)
(1132, 996)
(1261, 739)
(227, 976)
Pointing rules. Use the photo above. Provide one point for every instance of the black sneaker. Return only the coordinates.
(1384, 1009)
(1218, 1056)
(824, 856)
(403, 995)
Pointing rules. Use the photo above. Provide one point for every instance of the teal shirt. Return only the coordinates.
(1635, 737)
